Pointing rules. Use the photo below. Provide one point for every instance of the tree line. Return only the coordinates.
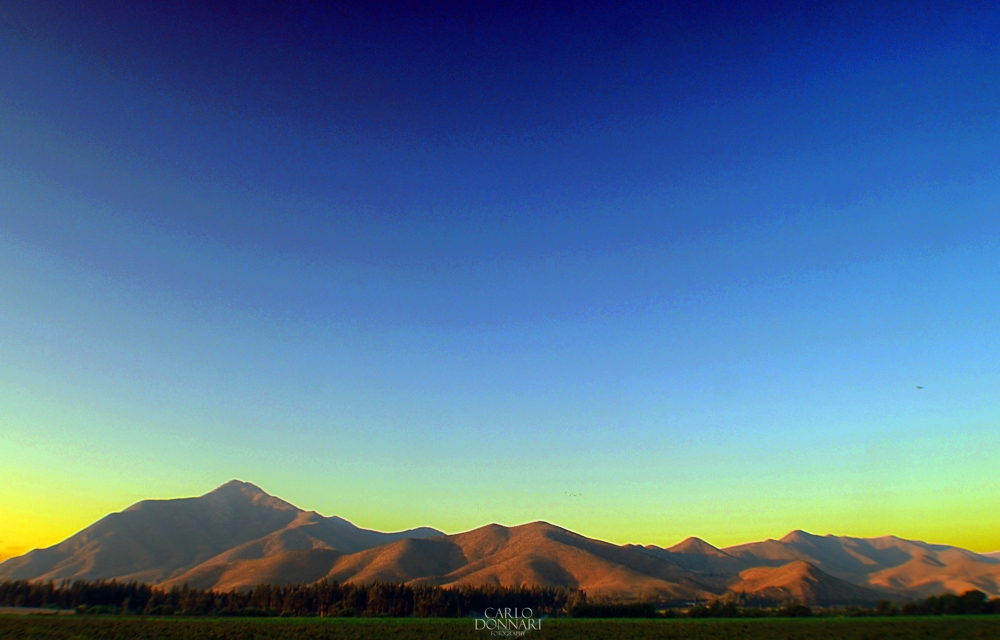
(323, 598)
(969, 603)
(391, 599)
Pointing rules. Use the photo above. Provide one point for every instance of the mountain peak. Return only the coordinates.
(798, 536)
(240, 486)
(537, 525)
(697, 546)
(240, 492)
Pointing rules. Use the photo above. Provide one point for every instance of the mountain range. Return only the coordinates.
(238, 536)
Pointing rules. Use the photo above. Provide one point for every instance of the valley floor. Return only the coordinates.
(107, 628)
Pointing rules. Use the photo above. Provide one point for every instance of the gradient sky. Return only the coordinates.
(643, 271)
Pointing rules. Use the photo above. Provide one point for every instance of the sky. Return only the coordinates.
(644, 271)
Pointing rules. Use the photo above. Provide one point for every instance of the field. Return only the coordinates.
(106, 628)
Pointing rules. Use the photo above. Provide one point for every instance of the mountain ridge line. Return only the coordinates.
(238, 535)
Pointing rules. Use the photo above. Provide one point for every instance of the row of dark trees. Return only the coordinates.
(969, 603)
(400, 600)
(320, 599)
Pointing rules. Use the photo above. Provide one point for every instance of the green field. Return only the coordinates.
(101, 628)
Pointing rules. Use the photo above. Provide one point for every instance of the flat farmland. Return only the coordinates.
(137, 628)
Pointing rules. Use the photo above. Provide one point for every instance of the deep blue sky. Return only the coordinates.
(689, 260)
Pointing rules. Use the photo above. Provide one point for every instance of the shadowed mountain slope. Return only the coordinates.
(156, 540)
(884, 562)
(697, 555)
(939, 569)
(801, 581)
(287, 567)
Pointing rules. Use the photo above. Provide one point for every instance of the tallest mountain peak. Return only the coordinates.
(238, 485)
(239, 492)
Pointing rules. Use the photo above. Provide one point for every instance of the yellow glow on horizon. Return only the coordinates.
(38, 518)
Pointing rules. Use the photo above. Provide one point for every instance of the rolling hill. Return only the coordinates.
(539, 554)
(532, 554)
(799, 580)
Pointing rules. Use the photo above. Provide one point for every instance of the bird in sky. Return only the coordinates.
(919, 387)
